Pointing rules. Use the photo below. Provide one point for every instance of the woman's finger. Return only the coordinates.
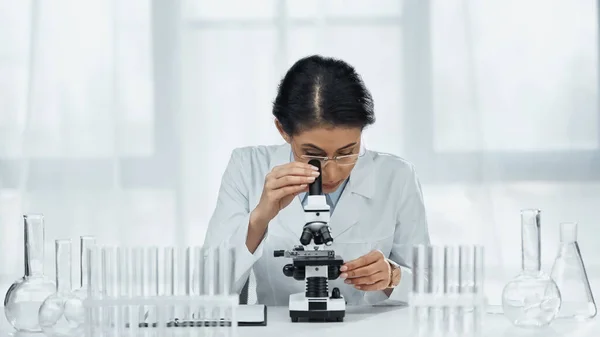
(304, 170)
(371, 287)
(295, 164)
(364, 260)
(367, 270)
(368, 280)
(285, 191)
(274, 184)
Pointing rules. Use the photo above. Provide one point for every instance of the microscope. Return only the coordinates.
(316, 266)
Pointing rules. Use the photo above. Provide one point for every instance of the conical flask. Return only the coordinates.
(571, 277)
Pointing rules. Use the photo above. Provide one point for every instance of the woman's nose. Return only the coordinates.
(329, 171)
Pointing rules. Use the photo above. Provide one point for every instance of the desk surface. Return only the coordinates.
(360, 321)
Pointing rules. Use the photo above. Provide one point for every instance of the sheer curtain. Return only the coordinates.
(84, 136)
(117, 118)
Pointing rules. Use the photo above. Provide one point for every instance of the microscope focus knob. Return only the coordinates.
(278, 253)
(333, 272)
(288, 270)
(335, 293)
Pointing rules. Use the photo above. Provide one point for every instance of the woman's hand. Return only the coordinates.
(368, 272)
(282, 184)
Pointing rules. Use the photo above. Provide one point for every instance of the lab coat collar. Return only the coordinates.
(352, 202)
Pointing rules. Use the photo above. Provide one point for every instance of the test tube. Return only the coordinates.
(436, 288)
(138, 283)
(151, 284)
(166, 280)
(188, 272)
(452, 285)
(478, 289)
(199, 282)
(479, 270)
(419, 269)
(226, 272)
(124, 284)
(94, 277)
(111, 287)
(467, 281)
(419, 312)
(226, 277)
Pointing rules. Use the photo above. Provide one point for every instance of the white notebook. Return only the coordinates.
(252, 314)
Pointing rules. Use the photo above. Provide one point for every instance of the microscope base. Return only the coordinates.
(317, 309)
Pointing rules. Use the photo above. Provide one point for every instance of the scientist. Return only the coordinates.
(377, 209)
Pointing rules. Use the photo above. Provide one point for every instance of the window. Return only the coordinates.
(78, 96)
(499, 98)
(84, 136)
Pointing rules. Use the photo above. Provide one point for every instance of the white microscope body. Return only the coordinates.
(315, 266)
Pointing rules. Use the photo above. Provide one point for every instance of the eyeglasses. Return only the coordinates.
(340, 160)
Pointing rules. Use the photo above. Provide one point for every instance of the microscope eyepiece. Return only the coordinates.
(316, 187)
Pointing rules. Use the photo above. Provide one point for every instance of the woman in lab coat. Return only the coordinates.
(377, 210)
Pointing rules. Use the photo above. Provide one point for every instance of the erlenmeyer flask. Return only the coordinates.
(571, 277)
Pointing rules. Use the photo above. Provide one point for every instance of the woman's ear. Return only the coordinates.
(283, 134)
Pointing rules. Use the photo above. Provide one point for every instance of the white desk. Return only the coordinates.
(393, 321)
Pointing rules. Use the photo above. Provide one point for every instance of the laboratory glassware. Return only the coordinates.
(448, 297)
(53, 312)
(571, 277)
(85, 243)
(134, 290)
(74, 311)
(25, 296)
(532, 298)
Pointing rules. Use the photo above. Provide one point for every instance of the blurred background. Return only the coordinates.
(117, 118)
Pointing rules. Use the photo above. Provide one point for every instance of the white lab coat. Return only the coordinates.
(380, 208)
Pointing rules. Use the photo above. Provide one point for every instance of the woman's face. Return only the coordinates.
(328, 142)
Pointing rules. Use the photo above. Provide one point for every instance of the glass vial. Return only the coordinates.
(571, 277)
(52, 313)
(531, 299)
(25, 296)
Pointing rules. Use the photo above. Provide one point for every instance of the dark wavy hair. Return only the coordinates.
(321, 91)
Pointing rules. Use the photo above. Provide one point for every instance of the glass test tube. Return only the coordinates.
(419, 313)
(452, 287)
(226, 277)
(478, 290)
(466, 284)
(436, 289)
(151, 284)
(123, 269)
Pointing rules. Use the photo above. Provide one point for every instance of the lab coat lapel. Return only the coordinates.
(354, 201)
(291, 218)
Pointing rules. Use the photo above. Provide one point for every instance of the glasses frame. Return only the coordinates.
(325, 160)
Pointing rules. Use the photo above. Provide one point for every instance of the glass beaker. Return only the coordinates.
(52, 313)
(25, 296)
(571, 277)
(531, 299)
